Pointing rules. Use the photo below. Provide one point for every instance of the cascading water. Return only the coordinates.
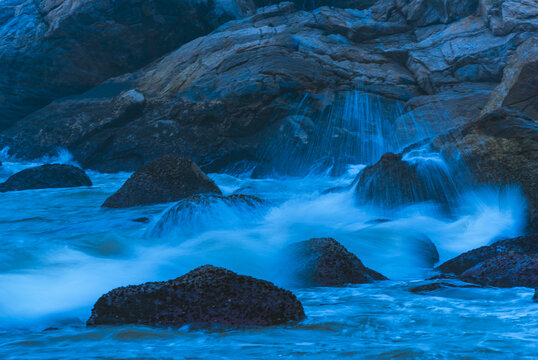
(60, 251)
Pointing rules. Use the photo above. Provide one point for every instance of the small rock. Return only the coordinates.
(421, 289)
(45, 177)
(535, 297)
(143, 219)
(169, 178)
(325, 262)
(207, 295)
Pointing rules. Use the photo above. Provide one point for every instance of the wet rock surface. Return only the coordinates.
(395, 181)
(45, 177)
(169, 178)
(325, 262)
(500, 148)
(207, 295)
(506, 263)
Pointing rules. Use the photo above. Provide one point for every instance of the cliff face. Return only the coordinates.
(234, 94)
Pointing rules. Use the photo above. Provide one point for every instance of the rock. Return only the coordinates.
(535, 297)
(169, 178)
(207, 295)
(505, 16)
(54, 48)
(201, 212)
(232, 95)
(464, 51)
(519, 87)
(325, 262)
(45, 177)
(393, 181)
(426, 288)
(498, 148)
(505, 270)
(143, 220)
(431, 115)
(527, 245)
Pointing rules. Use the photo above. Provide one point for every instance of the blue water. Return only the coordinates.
(59, 251)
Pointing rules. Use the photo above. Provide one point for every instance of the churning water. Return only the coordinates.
(59, 251)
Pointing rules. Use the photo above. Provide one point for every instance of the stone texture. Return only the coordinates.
(55, 48)
(519, 86)
(226, 96)
(207, 295)
(45, 177)
(500, 148)
(522, 245)
(395, 181)
(169, 178)
(325, 262)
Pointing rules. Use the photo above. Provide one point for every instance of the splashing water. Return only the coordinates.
(59, 251)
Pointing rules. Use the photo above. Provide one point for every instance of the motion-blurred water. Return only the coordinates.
(59, 251)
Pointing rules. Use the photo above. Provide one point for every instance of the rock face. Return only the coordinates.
(280, 83)
(394, 181)
(506, 263)
(46, 176)
(325, 262)
(205, 295)
(54, 48)
(500, 147)
(169, 178)
(519, 87)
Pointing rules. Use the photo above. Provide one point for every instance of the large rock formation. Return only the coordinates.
(54, 48)
(325, 262)
(277, 84)
(45, 177)
(169, 178)
(500, 147)
(207, 295)
(506, 263)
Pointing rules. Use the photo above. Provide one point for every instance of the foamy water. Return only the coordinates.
(60, 251)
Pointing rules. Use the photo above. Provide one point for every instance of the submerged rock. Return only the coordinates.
(426, 288)
(393, 181)
(325, 262)
(201, 212)
(207, 295)
(498, 148)
(46, 176)
(535, 297)
(169, 178)
(506, 263)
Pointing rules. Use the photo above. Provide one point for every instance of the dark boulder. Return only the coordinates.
(522, 245)
(325, 262)
(207, 295)
(506, 263)
(169, 178)
(535, 297)
(506, 270)
(46, 176)
(395, 181)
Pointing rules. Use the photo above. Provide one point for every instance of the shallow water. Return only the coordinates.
(60, 251)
